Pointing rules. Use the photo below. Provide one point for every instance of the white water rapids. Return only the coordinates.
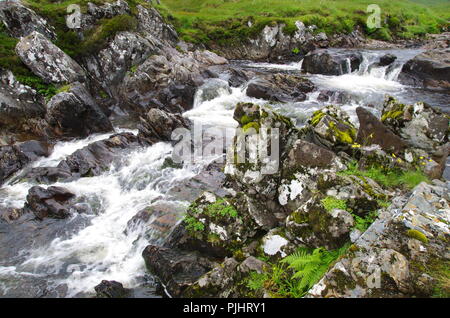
(100, 248)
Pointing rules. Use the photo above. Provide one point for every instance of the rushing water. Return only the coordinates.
(68, 258)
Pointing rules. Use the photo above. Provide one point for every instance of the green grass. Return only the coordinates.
(225, 21)
(390, 178)
(331, 203)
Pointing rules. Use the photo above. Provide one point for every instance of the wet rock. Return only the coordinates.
(98, 156)
(420, 125)
(237, 77)
(53, 202)
(390, 258)
(22, 109)
(176, 269)
(158, 125)
(328, 63)
(46, 175)
(20, 21)
(430, 69)
(14, 158)
(111, 289)
(212, 89)
(47, 61)
(280, 88)
(75, 113)
(387, 59)
(373, 131)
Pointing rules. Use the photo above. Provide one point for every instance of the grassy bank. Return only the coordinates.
(227, 20)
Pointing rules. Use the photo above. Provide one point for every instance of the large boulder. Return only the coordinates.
(53, 202)
(331, 63)
(404, 253)
(280, 88)
(176, 269)
(22, 109)
(373, 131)
(47, 61)
(75, 113)
(150, 21)
(430, 69)
(20, 21)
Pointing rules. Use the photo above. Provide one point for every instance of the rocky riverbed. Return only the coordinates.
(94, 203)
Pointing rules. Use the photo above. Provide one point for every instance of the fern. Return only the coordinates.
(309, 267)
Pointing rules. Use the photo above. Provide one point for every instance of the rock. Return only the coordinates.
(47, 61)
(20, 21)
(327, 63)
(332, 128)
(430, 69)
(420, 125)
(150, 21)
(216, 283)
(212, 89)
(387, 59)
(373, 131)
(98, 156)
(53, 202)
(14, 158)
(176, 269)
(251, 263)
(111, 289)
(391, 257)
(158, 125)
(312, 225)
(47, 175)
(108, 10)
(304, 153)
(22, 109)
(75, 113)
(237, 77)
(280, 88)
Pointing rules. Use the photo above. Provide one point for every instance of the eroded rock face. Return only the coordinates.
(328, 63)
(430, 69)
(20, 21)
(75, 113)
(400, 255)
(47, 61)
(150, 21)
(53, 202)
(21, 109)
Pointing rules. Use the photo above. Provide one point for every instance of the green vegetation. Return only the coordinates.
(331, 203)
(417, 235)
(294, 275)
(388, 177)
(193, 225)
(221, 208)
(223, 21)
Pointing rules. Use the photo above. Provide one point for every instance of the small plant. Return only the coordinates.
(417, 235)
(331, 203)
(193, 225)
(296, 51)
(221, 208)
(363, 223)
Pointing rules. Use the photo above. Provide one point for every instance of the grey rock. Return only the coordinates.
(20, 21)
(331, 63)
(75, 113)
(47, 61)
